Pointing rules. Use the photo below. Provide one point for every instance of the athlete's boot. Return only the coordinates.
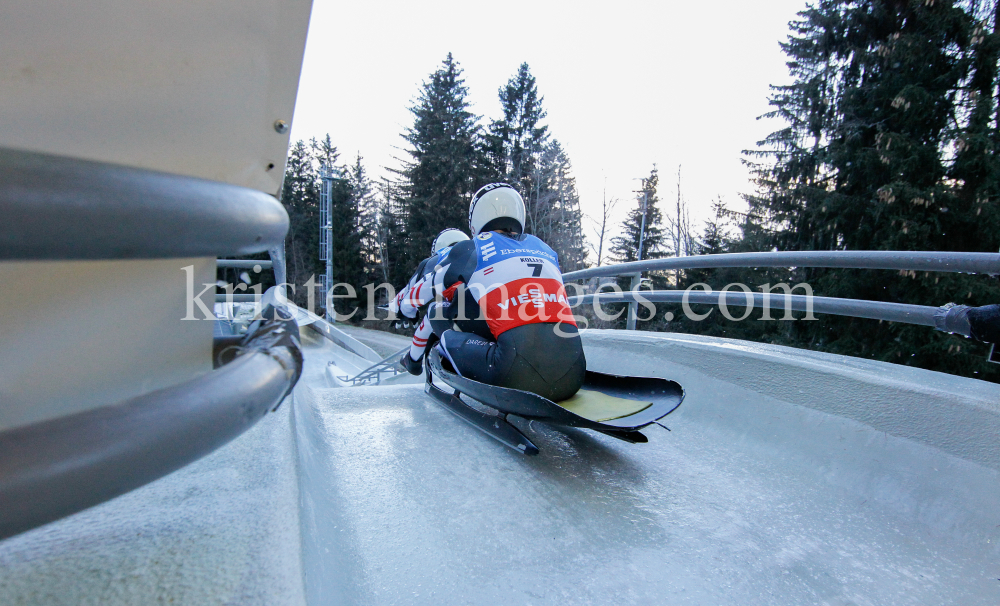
(414, 367)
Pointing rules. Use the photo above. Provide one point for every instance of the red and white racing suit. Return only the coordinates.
(407, 302)
(515, 286)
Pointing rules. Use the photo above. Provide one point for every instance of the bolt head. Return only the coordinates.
(281, 126)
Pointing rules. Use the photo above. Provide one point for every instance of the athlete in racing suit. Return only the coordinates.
(405, 304)
(504, 291)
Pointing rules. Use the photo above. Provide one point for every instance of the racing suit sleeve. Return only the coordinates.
(459, 266)
(397, 304)
(394, 304)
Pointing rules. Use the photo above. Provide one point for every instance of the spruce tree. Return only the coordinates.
(364, 199)
(392, 218)
(561, 225)
(976, 170)
(888, 145)
(520, 152)
(625, 247)
(300, 197)
(715, 237)
(445, 162)
(516, 140)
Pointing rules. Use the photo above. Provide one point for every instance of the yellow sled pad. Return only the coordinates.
(600, 407)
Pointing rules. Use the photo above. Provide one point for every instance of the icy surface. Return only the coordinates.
(416, 507)
(384, 343)
(787, 478)
(223, 530)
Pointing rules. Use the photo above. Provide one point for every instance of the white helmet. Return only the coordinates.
(446, 238)
(496, 206)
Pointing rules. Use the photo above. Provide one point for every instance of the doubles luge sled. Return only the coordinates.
(613, 405)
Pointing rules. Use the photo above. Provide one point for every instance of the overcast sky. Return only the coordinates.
(626, 85)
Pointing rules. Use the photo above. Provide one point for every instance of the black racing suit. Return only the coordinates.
(979, 323)
(506, 297)
(985, 323)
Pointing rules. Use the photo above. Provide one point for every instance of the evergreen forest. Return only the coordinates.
(887, 140)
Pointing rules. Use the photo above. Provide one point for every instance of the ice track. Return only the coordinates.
(788, 478)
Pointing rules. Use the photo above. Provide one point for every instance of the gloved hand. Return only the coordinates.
(402, 307)
(394, 304)
(953, 318)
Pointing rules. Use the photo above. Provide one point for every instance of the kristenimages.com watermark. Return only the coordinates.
(531, 302)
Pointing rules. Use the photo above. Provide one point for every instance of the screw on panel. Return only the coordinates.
(281, 126)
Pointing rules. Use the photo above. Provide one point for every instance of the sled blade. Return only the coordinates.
(632, 437)
(494, 426)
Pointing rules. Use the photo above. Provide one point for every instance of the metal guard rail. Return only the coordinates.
(243, 263)
(875, 310)
(389, 363)
(237, 298)
(58, 467)
(960, 262)
(59, 208)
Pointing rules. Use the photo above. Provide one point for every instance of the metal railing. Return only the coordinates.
(373, 374)
(959, 262)
(277, 263)
(54, 468)
(60, 208)
(242, 264)
(875, 310)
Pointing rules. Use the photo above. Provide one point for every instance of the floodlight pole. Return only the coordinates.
(326, 234)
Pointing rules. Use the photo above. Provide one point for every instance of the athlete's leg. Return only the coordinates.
(413, 360)
(474, 357)
(544, 361)
(533, 357)
(419, 344)
(468, 316)
(439, 317)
